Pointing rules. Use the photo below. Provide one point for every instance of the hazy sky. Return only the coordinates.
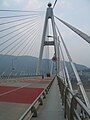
(75, 12)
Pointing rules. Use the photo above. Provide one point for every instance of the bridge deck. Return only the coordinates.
(16, 95)
(52, 109)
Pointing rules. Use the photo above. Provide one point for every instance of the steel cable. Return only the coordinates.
(17, 33)
(11, 43)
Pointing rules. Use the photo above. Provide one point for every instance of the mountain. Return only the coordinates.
(20, 64)
(27, 64)
(78, 67)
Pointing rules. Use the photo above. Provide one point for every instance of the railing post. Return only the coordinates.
(46, 91)
(34, 111)
(61, 88)
(65, 101)
(44, 96)
(72, 107)
(40, 101)
(65, 104)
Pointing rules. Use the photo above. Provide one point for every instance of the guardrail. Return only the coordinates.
(74, 108)
(32, 110)
(18, 76)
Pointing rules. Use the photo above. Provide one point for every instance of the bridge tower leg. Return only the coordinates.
(49, 15)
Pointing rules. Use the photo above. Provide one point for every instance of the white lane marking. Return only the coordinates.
(13, 90)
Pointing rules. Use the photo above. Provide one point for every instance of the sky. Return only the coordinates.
(75, 12)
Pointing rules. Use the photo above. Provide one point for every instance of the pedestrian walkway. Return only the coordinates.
(52, 109)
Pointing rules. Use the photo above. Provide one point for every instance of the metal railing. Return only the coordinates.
(74, 107)
(17, 78)
(32, 110)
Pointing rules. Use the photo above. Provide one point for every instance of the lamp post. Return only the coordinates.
(12, 69)
(12, 66)
(2, 74)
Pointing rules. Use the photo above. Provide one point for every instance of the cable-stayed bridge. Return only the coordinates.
(24, 39)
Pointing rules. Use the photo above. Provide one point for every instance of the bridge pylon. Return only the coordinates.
(49, 15)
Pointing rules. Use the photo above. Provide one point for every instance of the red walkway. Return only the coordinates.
(23, 95)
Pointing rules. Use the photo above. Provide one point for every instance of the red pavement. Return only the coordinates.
(23, 95)
(4, 89)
